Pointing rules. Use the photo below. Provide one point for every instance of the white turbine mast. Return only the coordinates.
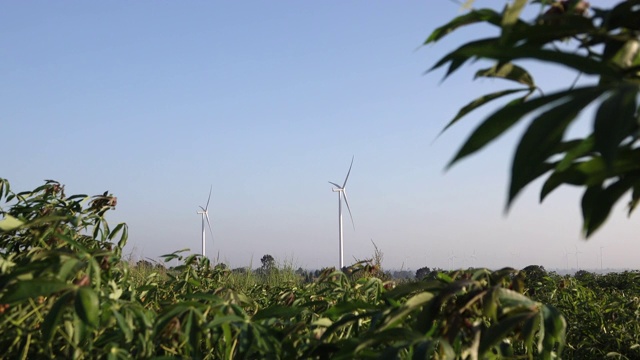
(205, 216)
(577, 252)
(566, 257)
(452, 258)
(474, 258)
(342, 194)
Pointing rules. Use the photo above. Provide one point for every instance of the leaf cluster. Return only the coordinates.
(604, 45)
(601, 311)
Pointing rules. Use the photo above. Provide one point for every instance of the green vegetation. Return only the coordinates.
(65, 292)
(602, 311)
(603, 49)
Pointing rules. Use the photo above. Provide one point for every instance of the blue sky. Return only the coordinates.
(267, 101)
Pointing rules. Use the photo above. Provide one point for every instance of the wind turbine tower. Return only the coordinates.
(577, 252)
(474, 258)
(342, 194)
(205, 216)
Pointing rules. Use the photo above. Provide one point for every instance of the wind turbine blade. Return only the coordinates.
(209, 198)
(209, 224)
(203, 209)
(344, 195)
(334, 184)
(348, 172)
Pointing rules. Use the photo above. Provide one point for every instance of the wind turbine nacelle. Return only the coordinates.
(336, 190)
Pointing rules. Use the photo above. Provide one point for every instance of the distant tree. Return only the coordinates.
(585, 277)
(402, 274)
(535, 271)
(268, 263)
(422, 272)
(602, 44)
(240, 270)
(144, 264)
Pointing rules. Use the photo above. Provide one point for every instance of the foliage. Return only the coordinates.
(422, 272)
(602, 311)
(604, 46)
(268, 262)
(66, 293)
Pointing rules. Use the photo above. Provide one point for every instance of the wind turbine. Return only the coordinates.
(452, 259)
(342, 194)
(577, 252)
(566, 257)
(474, 258)
(205, 215)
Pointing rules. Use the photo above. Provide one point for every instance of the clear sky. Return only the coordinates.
(267, 101)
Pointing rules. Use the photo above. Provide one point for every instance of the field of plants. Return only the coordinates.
(66, 292)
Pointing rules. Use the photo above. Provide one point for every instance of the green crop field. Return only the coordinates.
(66, 292)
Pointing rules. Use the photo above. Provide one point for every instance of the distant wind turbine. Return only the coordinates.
(205, 215)
(452, 259)
(566, 257)
(474, 258)
(342, 194)
(577, 252)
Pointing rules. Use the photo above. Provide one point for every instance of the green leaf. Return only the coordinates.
(555, 327)
(458, 57)
(539, 34)
(490, 48)
(592, 172)
(344, 307)
(508, 71)
(411, 304)
(9, 223)
(570, 176)
(492, 336)
(510, 299)
(576, 149)
(122, 227)
(68, 268)
(87, 306)
(387, 337)
(635, 198)
(480, 102)
(512, 13)
(225, 319)
(615, 120)
(625, 15)
(529, 330)
(29, 289)
(125, 327)
(424, 350)
(486, 15)
(276, 311)
(490, 304)
(50, 322)
(543, 136)
(597, 202)
(500, 121)
(627, 55)
(411, 287)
